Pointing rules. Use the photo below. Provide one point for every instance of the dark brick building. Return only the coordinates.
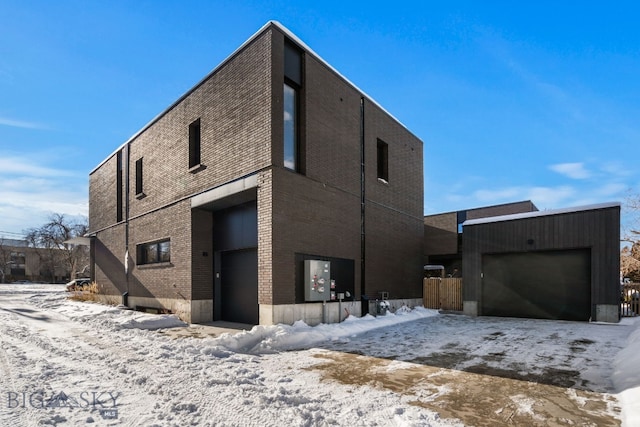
(272, 159)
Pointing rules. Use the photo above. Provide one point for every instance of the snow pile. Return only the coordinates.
(259, 340)
(626, 376)
(116, 317)
(138, 320)
(272, 339)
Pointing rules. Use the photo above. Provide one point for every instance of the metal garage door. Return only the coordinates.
(543, 285)
(239, 286)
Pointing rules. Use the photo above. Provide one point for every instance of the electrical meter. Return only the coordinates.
(317, 280)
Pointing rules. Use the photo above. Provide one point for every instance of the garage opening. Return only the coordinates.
(235, 242)
(542, 285)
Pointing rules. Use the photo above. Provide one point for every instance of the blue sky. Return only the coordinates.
(513, 100)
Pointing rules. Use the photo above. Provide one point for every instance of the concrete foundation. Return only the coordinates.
(312, 314)
(201, 311)
(607, 313)
(470, 308)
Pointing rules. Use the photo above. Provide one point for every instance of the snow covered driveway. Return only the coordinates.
(70, 363)
(564, 354)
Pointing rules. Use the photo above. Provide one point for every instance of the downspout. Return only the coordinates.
(364, 301)
(125, 296)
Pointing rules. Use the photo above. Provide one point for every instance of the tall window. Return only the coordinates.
(383, 161)
(194, 144)
(139, 191)
(154, 253)
(290, 127)
(291, 106)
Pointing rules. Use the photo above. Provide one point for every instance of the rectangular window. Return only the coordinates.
(383, 161)
(292, 63)
(119, 186)
(154, 253)
(290, 127)
(194, 144)
(139, 191)
(293, 85)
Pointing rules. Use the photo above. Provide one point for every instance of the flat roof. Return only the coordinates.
(540, 213)
(290, 35)
(499, 205)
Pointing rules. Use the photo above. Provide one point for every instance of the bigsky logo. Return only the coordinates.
(106, 402)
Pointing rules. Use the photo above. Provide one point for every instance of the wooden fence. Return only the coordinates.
(630, 299)
(443, 293)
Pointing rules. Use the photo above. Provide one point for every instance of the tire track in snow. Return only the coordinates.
(69, 358)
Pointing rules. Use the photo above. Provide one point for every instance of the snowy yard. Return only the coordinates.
(70, 363)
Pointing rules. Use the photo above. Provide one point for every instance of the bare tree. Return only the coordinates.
(630, 255)
(48, 241)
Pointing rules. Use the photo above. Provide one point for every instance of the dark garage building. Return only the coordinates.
(556, 264)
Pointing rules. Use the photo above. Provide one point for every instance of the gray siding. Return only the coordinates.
(597, 229)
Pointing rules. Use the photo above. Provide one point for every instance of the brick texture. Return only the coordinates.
(315, 212)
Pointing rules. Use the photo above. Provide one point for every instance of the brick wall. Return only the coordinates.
(102, 195)
(394, 209)
(163, 280)
(405, 189)
(234, 107)
(332, 129)
(441, 234)
(319, 212)
(312, 218)
(202, 254)
(240, 111)
(109, 261)
(504, 209)
(394, 245)
(265, 237)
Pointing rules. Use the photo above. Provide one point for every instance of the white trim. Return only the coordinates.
(540, 213)
(225, 190)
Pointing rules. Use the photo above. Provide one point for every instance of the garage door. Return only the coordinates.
(542, 285)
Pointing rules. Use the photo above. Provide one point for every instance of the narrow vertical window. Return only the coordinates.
(383, 161)
(119, 188)
(290, 128)
(194, 144)
(293, 84)
(139, 189)
(461, 217)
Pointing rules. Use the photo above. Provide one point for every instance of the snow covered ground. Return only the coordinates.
(70, 363)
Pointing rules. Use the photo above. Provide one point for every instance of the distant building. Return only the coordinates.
(18, 261)
(443, 232)
(273, 159)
